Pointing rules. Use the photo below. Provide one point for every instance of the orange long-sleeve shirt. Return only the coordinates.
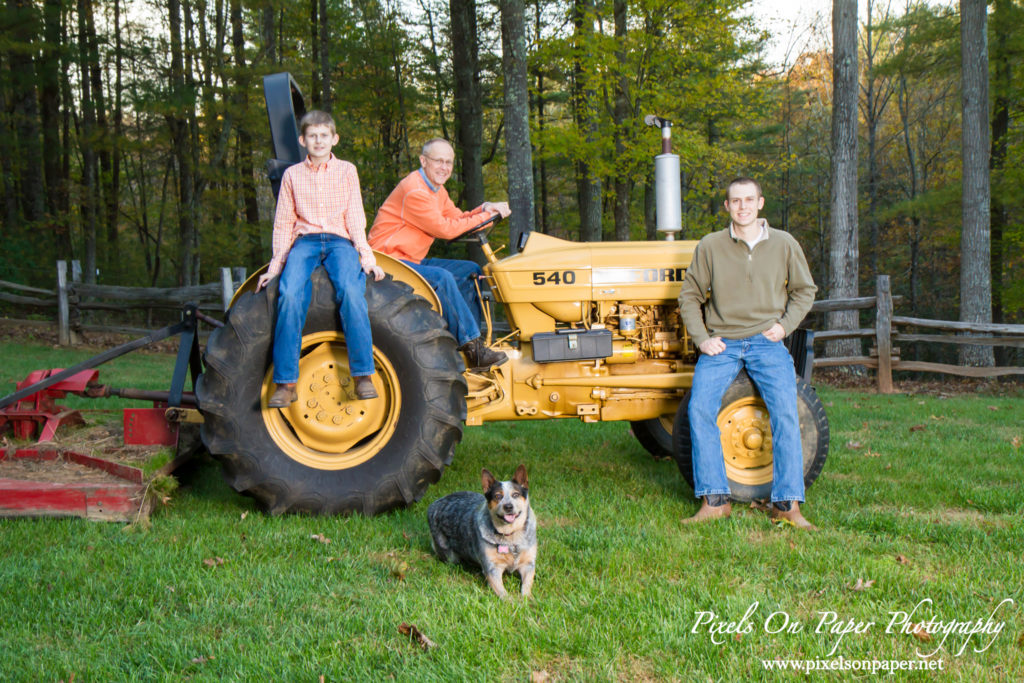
(414, 214)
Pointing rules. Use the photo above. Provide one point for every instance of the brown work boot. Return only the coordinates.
(717, 507)
(479, 356)
(284, 396)
(791, 516)
(364, 387)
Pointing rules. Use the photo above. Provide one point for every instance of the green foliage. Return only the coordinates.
(697, 63)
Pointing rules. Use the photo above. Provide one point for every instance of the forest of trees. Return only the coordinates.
(133, 133)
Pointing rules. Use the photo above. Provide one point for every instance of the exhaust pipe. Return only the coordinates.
(666, 181)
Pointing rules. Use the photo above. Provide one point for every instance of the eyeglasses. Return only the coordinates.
(441, 162)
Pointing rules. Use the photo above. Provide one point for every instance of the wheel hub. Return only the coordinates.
(747, 440)
(328, 427)
(327, 415)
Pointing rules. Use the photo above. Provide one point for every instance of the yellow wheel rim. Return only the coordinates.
(667, 422)
(328, 428)
(746, 441)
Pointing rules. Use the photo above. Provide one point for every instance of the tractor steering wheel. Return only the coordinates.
(482, 229)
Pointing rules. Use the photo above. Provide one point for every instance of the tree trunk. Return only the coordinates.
(623, 184)
(325, 58)
(843, 251)
(87, 136)
(254, 247)
(314, 54)
(49, 106)
(542, 172)
(468, 101)
(878, 91)
(434, 57)
(975, 256)
(182, 140)
(268, 33)
(25, 112)
(1002, 84)
(517, 119)
(588, 184)
(650, 208)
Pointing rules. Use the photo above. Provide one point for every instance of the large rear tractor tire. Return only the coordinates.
(746, 438)
(329, 452)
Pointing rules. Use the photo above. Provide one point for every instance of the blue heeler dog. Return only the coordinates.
(496, 531)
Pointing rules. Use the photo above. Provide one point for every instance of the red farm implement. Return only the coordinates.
(45, 478)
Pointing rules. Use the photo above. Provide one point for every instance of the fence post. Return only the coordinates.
(227, 288)
(238, 275)
(883, 334)
(63, 310)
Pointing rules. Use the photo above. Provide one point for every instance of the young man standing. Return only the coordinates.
(755, 287)
(320, 220)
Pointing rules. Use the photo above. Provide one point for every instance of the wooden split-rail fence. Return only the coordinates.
(71, 298)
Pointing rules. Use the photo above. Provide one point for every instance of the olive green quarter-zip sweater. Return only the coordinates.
(745, 290)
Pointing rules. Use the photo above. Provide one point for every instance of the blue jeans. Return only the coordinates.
(771, 368)
(453, 281)
(294, 290)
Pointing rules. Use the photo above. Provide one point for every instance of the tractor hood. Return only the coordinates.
(553, 270)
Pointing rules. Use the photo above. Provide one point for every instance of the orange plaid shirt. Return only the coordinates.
(315, 200)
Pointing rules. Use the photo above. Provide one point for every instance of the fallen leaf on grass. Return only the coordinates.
(416, 636)
(854, 445)
(902, 559)
(320, 537)
(213, 561)
(917, 428)
(918, 632)
(872, 454)
(202, 660)
(817, 594)
(399, 569)
(993, 407)
(1015, 441)
(245, 514)
(539, 677)
(862, 585)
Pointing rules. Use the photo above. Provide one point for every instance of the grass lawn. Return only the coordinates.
(920, 503)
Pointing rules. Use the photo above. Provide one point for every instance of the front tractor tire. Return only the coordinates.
(746, 438)
(329, 452)
(655, 435)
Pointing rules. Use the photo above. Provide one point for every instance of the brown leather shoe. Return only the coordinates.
(284, 396)
(709, 512)
(479, 356)
(364, 387)
(792, 516)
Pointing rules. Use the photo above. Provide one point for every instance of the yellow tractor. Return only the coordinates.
(594, 334)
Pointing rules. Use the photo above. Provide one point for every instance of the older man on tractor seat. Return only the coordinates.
(416, 212)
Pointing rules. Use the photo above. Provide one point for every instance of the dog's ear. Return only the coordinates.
(520, 476)
(487, 479)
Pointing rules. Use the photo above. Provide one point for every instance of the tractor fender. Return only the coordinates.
(398, 270)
